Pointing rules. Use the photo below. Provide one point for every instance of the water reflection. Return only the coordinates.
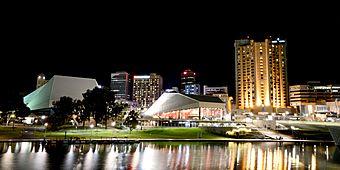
(162, 155)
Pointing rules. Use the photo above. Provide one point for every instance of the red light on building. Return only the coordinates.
(194, 74)
(185, 73)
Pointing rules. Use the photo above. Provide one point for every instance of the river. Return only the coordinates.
(170, 155)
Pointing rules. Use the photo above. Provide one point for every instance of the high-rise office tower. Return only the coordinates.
(121, 85)
(41, 80)
(188, 77)
(261, 75)
(147, 89)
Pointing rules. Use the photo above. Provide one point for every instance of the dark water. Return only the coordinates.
(165, 155)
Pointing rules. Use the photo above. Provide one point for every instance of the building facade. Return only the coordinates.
(41, 80)
(315, 98)
(121, 85)
(192, 89)
(188, 77)
(147, 89)
(261, 75)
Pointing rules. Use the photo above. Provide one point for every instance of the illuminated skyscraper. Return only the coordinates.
(188, 77)
(147, 89)
(261, 75)
(121, 85)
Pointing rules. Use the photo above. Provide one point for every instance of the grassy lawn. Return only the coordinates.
(157, 133)
(8, 132)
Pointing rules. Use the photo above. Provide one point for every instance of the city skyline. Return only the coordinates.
(214, 73)
(166, 47)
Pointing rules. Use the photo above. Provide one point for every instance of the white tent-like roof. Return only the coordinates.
(58, 86)
(168, 102)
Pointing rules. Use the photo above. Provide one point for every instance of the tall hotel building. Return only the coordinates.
(261, 75)
(121, 85)
(147, 89)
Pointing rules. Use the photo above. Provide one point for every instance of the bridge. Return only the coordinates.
(332, 127)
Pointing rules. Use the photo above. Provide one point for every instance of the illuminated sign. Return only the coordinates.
(141, 77)
(325, 87)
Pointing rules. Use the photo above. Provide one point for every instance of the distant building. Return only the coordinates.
(172, 90)
(220, 92)
(147, 89)
(261, 75)
(188, 77)
(41, 80)
(121, 85)
(314, 97)
(192, 89)
(58, 86)
(214, 90)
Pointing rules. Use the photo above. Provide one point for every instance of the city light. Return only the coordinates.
(141, 77)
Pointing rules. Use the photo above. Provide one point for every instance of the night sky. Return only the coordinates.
(166, 44)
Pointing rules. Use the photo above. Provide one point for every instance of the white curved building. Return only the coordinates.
(58, 86)
(184, 106)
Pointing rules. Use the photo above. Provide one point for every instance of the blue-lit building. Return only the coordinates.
(192, 89)
(188, 77)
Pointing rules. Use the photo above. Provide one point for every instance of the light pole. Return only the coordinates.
(337, 108)
(46, 124)
(91, 126)
(13, 119)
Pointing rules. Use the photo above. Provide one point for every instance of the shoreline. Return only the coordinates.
(163, 140)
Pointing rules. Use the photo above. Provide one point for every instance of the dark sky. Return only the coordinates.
(161, 42)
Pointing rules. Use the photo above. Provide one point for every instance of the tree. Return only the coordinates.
(79, 111)
(131, 120)
(118, 115)
(22, 110)
(63, 110)
(100, 104)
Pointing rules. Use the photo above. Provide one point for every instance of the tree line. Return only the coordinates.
(98, 104)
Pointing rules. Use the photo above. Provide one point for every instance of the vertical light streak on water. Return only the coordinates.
(327, 154)
(248, 156)
(135, 159)
(7, 159)
(297, 162)
(91, 159)
(179, 155)
(148, 159)
(260, 161)
(313, 161)
(187, 155)
(290, 160)
(111, 159)
(238, 155)
(253, 158)
(270, 159)
(69, 158)
(285, 159)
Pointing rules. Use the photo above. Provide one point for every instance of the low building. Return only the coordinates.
(185, 106)
(314, 97)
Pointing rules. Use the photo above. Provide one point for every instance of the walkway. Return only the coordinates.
(273, 134)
